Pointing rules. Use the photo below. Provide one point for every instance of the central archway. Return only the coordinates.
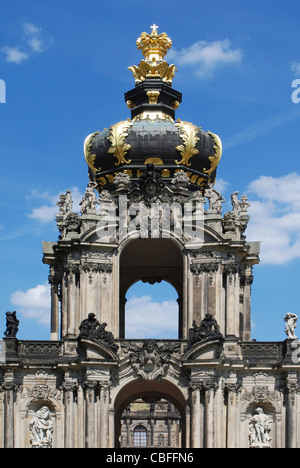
(151, 261)
(151, 392)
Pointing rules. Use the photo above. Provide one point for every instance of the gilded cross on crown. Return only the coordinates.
(154, 28)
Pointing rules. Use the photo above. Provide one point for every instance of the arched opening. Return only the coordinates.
(150, 414)
(151, 262)
(152, 311)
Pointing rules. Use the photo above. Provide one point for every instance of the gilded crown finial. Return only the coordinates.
(154, 47)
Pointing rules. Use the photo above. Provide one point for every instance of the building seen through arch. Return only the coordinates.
(150, 214)
(156, 424)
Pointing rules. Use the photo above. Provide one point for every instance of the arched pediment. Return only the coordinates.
(210, 348)
(97, 350)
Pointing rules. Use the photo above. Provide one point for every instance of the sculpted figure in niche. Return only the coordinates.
(291, 324)
(260, 427)
(41, 428)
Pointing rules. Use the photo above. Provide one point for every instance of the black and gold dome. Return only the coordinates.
(152, 135)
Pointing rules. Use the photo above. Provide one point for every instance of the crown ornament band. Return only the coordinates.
(154, 47)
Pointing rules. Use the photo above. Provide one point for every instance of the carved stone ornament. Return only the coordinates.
(151, 182)
(150, 361)
(41, 392)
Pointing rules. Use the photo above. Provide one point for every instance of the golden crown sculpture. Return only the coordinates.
(154, 47)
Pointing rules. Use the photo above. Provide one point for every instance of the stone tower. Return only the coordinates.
(150, 212)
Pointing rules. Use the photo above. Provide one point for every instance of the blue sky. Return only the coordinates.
(65, 64)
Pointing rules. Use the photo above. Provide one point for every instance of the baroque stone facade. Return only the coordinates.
(159, 219)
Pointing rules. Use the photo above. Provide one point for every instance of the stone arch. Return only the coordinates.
(151, 260)
(150, 391)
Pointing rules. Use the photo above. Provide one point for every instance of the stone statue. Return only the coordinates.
(88, 326)
(215, 200)
(41, 428)
(89, 200)
(12, 325)
(208, 328)
(91, 328)
(65, 203)
(235, 203)
(291, 324)
(259, 429)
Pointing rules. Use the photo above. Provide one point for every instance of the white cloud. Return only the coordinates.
(261, 128)
(30, 28)
(14, 55)
(46, 213)
(275, 217)
(295, 67)
(146, 318)
(31, 41)
(36, 44)
(34, 303)
(205, 57)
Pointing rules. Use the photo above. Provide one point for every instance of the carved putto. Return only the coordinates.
(41, 428)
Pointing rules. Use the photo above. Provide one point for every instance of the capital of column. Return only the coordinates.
(208, 385)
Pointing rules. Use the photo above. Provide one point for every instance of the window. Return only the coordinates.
(140, 436)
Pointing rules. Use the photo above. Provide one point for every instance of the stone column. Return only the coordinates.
(209, 388)
(232, 309)
(212, 293)
(104, 415)
(64, 304)
(54, 282)
(292, 390)
(195, 417)
(231, 430)
(71, 301)
(9, 397)
(69, 390)
(247, 280)
(111, 428)
(90, 398)
(187, 429)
